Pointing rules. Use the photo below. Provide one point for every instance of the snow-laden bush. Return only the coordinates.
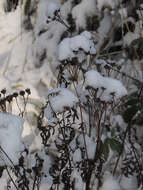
(85, 135)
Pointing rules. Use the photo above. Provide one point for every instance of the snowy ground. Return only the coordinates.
(16, 56)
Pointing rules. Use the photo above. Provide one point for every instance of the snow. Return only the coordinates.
(91, 147)
(3, 180)
(117, 120)
(28, 59)
(79, 42)
(9, 30)
(104, 28)
(62, 98)
(113, 85)
(105, 3)
(69, 46)
(66, 9)
(16, 54)
(129, 183)
(101, 62)
(20, 50)
(123, 12)
(129, 37)
(48, 41)
(65, 50)
(105, 24)
(36, 144)
(52, 7)
(77, 155)
(82, 11)
(90, 144)
(95, 80)
(110, 184)
(46, 10)
(47, 33)
(78, 182)
(11, 127)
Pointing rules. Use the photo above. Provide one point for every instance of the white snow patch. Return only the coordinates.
(129, 183)
(90, 144)
(11, 127)
(36, 144)
(118, 120)
(111, 3)
(78, 182)
(3, 180)
(66, 9)
(48, 42)
(113, 85)
(110, 184)
(82, 11)
(129, 37)
(69, 46)
(62, 98)
(95, 80)
(46, 10)
(77, 155)
(105, 24)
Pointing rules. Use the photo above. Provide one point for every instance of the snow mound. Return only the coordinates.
(78, 182)
(46, 10)
(110, 184)
(62, 98)
(69, 46)
(11, 127)
(52, 8)
(95, 80)
(65, 98)
(77, 155)
(90, 144)
(111, 3)
(129, 182)
(105, 24)
(82, 11)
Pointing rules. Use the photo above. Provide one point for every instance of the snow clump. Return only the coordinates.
(69, 46)
(111, 3)
(110, 184)
(95, 80)
(59, 99)
(63, 98)
(82, 11)
(11, 127)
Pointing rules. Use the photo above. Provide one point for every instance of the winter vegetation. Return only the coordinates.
(71, 95)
